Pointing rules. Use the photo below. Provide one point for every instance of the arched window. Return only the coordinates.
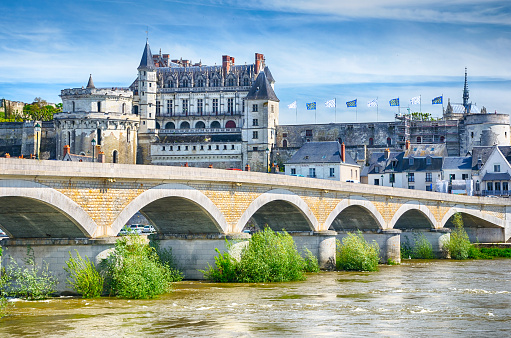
(124, 108)
(73, 106)
(99, 107)
(231, 82)
(215, 125)
(184, 83)
(200, 125)
(115, 157)
(184, 125)
(419, 139)
(216, 83)
(442, 139)
(157, 125)
(371, 141)
(284, 144)
(170, 125)
(99, 137)
(230, 124)
(389, 141)
(246, 82)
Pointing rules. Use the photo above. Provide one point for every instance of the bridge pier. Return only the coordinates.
(437, 238)
(321, 244)
(55, 253)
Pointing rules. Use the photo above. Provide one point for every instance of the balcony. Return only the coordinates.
(199, 131)
(505, 193)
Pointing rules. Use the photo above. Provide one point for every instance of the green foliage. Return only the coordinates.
(392, 262)
(356, 254)
(84, 278)
(167, 259)
(268, 257)
(134, 270)
(496, 252)
(311, 262)
(417, 116)
(458, 245)
(28, 281)
(420, 249)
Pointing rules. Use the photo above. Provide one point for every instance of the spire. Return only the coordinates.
(261, 89)
(147, 59)
(90, 84)
(465, 94)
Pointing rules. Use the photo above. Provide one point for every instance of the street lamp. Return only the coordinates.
(37, 130)
(382, 180)
(267, 159)
(93, 148)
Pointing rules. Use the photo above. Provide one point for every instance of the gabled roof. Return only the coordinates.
(484, 153)
(77, 158)
(261, 89)
(385, 164)
(457, 162)
(147, 59)
(320, 152)
(268, 74)
(497, 177)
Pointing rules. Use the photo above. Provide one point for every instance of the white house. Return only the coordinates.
(492, 172)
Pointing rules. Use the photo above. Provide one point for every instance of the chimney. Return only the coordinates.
(407, 145)
(259, 59)
(226, 64)
(66, 150)
(387, 153)
(7, 155)
(343, 152)
(247, 167)
(101, 157)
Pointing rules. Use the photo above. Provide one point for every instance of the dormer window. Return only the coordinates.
(377, 169)
(410, 161)
(428, 160)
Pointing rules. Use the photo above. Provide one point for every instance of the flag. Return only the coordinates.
(394, 102)
(351, 103)
(292, 105)
(437, 100)
(330, 103)
(311, 106)
(415, 100)
(373, 103)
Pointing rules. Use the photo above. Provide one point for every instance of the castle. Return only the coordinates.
(184, 114)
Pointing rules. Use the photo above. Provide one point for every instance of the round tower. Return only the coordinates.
(486, 130)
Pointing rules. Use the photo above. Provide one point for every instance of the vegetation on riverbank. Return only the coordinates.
(356, 254)
(84, 278)
(420, 248)
(458, 244)
(267, 256)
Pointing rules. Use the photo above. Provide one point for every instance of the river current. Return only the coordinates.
(440, 298)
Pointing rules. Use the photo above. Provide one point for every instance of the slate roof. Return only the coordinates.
(497, 177)
(397, 162)
(457, 162)
(484, 152)
(385, 165)
(90, 84)
(261, 89)
(320, 152)
(147, 59)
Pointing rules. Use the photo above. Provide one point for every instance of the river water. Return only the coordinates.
(440, 298)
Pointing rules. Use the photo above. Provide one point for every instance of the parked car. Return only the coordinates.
(148, 229)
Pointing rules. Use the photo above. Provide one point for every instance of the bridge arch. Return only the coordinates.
(174, 208)
(280, 209)
(488, 221)
(413, 213)
(358, 211)
(42, 211)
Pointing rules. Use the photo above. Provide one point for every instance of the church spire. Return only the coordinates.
(465, 94)
(90, 84)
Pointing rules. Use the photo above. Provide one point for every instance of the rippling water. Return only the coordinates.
(417, 298)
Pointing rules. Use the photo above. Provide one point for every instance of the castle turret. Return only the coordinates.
(147, 91)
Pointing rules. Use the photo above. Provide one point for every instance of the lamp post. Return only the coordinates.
(267, 159)
(37, 130)
(477, 187)
(382, 180)
(93, 148)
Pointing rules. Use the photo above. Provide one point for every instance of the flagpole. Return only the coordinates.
(356, 110)
(420, 103)
(442, 105)
(335, 109)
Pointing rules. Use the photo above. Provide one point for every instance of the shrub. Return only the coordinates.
(268, 257)
(422, 247)
(28, 281)
(84, 278)
(134, 270)
(311, 262)
(458, 245)
(356, 254)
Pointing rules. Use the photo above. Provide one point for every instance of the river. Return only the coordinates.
(440, 298)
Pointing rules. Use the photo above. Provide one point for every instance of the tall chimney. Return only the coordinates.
(66, 150)
(387, 153)
(226, 64)
(407, 145)
(343, 152)
(259, 58)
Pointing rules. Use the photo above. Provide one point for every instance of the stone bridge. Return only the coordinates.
(54, 203)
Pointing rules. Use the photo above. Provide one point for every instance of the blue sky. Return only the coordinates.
(317, 51)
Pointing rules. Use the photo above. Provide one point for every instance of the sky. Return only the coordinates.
(316, 50)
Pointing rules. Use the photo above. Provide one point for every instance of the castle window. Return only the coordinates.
(231, 82)
(254, 148)
(201, 147)
(230, 124)
(255, 135)
(186, 147)
(115, 156)
(419, 139)
(128, 135)
(158, 108)
(472, 134)
(308, 133)
(124, 108)
(255, 122)
(199, 106)
(73, 106)
(371, 141)
(184, 125)
(169, 107)
(215, 125)
(225, 146)
(185, 83)
(284, 144)
(442, 139)
(209, 147)
(230, 105)
(194, 148)
(232, 146)
(215, 83)
(254, 108)
(389, 141)
(99, 107)
(217, 147)
(200, 83)
(185, 107)
(170, 125)
(99, 137)
(215, 106)
(178, 147)
(200, 125)
(246, 82)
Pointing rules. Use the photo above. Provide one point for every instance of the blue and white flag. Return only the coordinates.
(311, 106)
(351, 103)
(373, 103)
(292, 105)
(394, 102)
(330, 103)
(415, 100)
(437, 100)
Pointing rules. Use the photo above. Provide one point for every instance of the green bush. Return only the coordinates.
(421, 248)
(268, 257)
(311, 262)
(28, 281)
(458, 245)
(84, 278)
(134, 270)
(356, 254)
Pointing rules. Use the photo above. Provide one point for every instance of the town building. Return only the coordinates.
(324, 160)
(492, 170)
